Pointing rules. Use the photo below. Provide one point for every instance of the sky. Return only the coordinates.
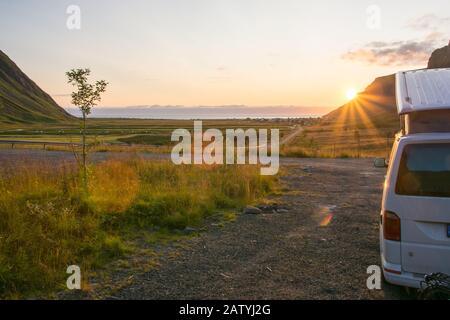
(221, 52)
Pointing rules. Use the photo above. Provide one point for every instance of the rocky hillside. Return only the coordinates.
(22, 101)
(440, 58)
(376, 104)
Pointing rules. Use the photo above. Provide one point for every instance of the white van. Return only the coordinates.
(415, 215)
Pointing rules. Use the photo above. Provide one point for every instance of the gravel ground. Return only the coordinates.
(319, 248)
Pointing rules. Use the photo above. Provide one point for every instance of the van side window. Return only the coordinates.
(424, 170)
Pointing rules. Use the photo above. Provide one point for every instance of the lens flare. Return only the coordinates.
(351, 94)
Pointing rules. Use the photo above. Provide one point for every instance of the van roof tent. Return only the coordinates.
(422, 90)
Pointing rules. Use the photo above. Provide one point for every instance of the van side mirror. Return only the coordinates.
(380, 163)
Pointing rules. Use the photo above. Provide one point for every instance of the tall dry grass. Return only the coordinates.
(47, 221)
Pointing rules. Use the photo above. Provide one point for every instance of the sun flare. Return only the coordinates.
(351, 94)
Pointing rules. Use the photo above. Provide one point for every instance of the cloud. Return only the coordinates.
(429, 22)
(408, 52)
(397, 53)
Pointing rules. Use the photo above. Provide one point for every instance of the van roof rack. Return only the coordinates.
(422, 90)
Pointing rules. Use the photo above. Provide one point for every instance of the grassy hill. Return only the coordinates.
(362, 127)
(376, 105)
(22, 101)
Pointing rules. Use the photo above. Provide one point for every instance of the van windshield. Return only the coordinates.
(425, 170)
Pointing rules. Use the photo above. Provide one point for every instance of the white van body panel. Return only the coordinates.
(425, 246)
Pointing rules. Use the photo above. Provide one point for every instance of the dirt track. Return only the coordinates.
(318, 249)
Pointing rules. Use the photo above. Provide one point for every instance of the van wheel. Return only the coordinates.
(411, 292)
(434, 294)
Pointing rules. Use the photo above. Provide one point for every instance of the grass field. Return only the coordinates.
(318, 139)
(339, 141)
(104, 133)
(48, 221)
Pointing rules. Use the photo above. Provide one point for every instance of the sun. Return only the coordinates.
(351, 94)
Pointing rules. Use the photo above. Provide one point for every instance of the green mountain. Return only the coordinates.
(22, 101)
(377, 105)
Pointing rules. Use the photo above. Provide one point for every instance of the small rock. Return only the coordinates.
(266, 208)
(330, 290)
(189, 230)
(252, 210)
(282, 211)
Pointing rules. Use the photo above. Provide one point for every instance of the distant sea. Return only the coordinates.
(188, 113)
